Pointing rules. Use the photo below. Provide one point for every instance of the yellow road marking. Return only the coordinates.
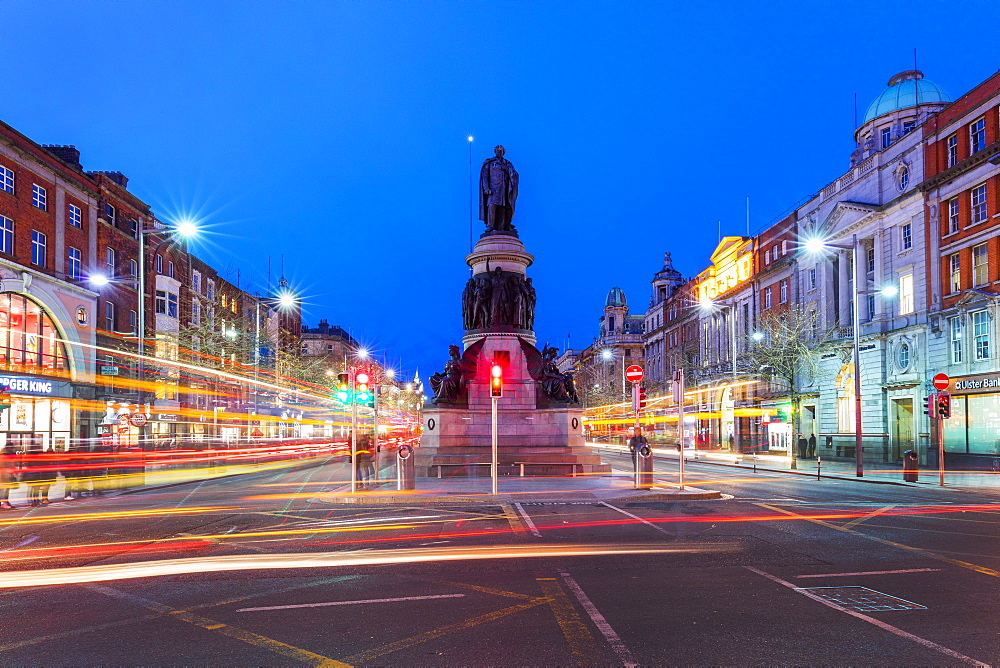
(296, 653)
(870, 515)
(486, 590)
(582, 645)
(371, 655)
(932, 555)
(516, 525)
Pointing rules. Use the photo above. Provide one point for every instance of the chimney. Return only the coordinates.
(324, 327)
(118, 178)
(68, 154)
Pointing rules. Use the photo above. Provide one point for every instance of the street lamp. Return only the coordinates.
(817, 245)
(609, 355)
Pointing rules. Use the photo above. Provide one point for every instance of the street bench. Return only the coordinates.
(441, 466)
(571, 464)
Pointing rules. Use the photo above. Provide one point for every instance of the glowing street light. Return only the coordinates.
(98, 280)
(757, 336)
(186, 228)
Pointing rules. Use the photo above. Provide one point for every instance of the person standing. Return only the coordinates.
(634, 445)
(8, 475)
(365, 462)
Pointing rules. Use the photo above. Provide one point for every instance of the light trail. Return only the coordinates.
(116, 515)
(229, 563)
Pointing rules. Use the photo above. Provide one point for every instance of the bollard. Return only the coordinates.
(819, 466)
(910, 462)
(404, 468)
(755, 462)
(644, 467)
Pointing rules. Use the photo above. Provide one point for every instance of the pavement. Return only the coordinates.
(256, 569)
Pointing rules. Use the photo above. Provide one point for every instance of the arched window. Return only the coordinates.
(28, 337)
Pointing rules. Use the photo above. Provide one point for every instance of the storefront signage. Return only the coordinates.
(975, 384)
(166, 417)
(16, 385)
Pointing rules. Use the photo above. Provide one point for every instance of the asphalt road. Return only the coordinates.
(259, 570)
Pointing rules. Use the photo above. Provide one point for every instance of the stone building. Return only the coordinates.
(600, 367)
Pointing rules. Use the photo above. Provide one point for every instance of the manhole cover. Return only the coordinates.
(860, 599)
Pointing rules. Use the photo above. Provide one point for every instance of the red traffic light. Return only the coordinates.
(943, 405)
(361, 378)
(496, 381)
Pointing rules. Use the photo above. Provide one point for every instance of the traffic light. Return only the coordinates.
(364, 394)
(943, 405)
(343, 388)
(930, 406)
(496, 381)
(642, 397)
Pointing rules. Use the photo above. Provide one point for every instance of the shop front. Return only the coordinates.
(39, 417)
(972, 434)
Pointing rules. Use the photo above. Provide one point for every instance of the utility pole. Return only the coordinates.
(678, 387)
(354, 435)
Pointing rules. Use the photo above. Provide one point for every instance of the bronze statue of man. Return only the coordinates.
(497, 192)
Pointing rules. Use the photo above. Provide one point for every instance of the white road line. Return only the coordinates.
(602, 624)
(871, 620)
(527, 520)
(844, 575)
(371, 600)
(636, 517)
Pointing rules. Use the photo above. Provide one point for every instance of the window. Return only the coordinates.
(170, 269)
(955, 330)
(161, 301)
(109, 316)
(611, 323)
(109, 261)
(870, 255)
(39, 197)
(783, 291)
(6, 180)
(906, 236)
(133, 268)
(978, 204)
(980, 265)
(981, 334)
(953, 225)
(812, 278)
(886, 137)
(977, 135)
(28, 338)
(195, 311)
(906, 294)
(952, 150)
(74, 264)
(196, 281)
(774, 252)
(955, 271)
(871, 307)
(110, 213)
(172, 305)
(133, 321)
(908, 127)
(75, 216)
(6, 235)
(159, 263)
(210, 287)
(767, 298)
(133, 226)
(38, 248)
(784, 247)
(904, 178)
(223, 299)
(903, 356)
(767, 256)
(166, 303)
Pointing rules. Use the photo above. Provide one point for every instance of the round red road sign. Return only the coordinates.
(633, 373)
(942, 381)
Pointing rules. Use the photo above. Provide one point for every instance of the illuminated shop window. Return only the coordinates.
(28, 339)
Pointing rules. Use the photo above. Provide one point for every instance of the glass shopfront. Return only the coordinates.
(34, 424)
(974, 426)
(28, 338)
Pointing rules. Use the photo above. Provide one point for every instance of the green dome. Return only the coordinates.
(616, 297)
(906, 89)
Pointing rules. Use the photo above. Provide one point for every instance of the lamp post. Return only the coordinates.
(815, 246)
(608, 354)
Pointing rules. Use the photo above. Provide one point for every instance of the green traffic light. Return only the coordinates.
(342, 396)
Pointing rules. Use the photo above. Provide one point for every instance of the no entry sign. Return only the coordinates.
(941, 381)
(633, 373)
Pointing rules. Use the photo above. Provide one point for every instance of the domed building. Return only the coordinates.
(907, 102)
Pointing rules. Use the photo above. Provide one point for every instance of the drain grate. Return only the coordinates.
(860, 599)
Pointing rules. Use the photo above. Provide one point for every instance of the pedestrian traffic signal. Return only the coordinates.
(930, 405)
(943, 405)
(642, 397)
(364, 395)
(496, 381)
(343, 387)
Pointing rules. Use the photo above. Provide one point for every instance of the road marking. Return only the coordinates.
(582, 645)
(370, 600)
(372, 654)
(26, 541)
(527, 521)
(844, 575)
(516, 525)
(486, 590)
(636, 517)
(870, 515)
(871, 620)
(295, 653)
(600, 622)
(933, 555)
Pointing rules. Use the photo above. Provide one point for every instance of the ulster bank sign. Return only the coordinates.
(973, 384)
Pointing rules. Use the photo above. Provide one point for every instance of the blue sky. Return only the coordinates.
(333, 134)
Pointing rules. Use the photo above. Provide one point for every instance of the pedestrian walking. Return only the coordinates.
(365, 461)
(634, 445)
(812, 446)
(8, 474)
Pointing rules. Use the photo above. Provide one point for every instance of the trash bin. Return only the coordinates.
(644, 467)
(910, 461)
(404, 468)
